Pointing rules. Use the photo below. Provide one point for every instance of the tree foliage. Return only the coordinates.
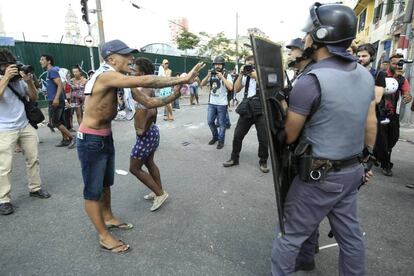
(216, 45)
(187, 40)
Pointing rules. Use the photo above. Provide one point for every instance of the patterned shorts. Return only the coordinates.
(146, 144)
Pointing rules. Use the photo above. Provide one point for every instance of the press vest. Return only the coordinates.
(337, 129)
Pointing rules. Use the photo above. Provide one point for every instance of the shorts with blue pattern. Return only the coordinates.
(146, 144)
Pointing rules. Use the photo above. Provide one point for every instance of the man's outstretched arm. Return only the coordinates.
(118, 80)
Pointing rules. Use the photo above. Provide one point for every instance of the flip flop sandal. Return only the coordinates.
(121, 226)
(112, 249)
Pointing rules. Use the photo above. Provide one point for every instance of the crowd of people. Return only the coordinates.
(322, 128)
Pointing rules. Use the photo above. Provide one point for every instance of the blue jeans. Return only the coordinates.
(97, 157)
(213, 112)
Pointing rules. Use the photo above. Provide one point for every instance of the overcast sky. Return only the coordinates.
(43, 20)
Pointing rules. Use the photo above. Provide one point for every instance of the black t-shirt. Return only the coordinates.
(379, 77)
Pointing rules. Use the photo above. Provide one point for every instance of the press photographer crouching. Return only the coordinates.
(16, 84)
(250, 111)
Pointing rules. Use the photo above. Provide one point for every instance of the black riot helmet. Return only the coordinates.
(296, 43)
(219, 60)
(331, 23)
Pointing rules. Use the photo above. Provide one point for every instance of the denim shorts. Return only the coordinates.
(97, 157)
(56, 113)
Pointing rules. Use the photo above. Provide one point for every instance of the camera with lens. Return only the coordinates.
(27, 69)
(401, 63)
(248, 69)
(213, 71)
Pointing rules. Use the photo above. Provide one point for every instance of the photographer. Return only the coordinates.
(220, 83)
(15, 128)
(250, 111)
(388, 134)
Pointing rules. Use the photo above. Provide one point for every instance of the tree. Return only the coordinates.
(215, 46)
(187, 40)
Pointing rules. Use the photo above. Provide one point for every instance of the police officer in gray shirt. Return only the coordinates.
(330, 140)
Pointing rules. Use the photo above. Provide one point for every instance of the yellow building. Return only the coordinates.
(364, 10)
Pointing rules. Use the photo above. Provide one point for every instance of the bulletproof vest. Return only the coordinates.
(336, 130)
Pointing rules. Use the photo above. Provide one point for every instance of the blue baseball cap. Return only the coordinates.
(116, 47)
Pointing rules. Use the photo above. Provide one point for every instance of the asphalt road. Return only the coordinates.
(217, 221)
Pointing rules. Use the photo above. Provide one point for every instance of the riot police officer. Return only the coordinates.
(331, 137)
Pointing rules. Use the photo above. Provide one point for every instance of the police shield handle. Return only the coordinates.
(194, 72)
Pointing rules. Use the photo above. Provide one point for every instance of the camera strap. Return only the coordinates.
(246, 87)
(17, 94)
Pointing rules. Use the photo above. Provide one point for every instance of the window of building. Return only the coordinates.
(390, 7)
(361, 23)
(387, 48)
(378, 13)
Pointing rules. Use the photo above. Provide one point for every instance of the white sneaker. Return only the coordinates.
(149, 196)
(158, 201)
(385, 121)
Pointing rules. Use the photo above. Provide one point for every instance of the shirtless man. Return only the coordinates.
(95, 145)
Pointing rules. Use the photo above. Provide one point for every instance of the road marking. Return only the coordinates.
(327, 246)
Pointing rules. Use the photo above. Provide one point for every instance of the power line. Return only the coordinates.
(142, 8)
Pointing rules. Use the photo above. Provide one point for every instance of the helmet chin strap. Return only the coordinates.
(308, 52)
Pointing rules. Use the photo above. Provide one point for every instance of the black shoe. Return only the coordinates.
(63, 143)
(387, 171)
(6, 208)
(72, 143)
(52, 129)
(230, 163)
(305, 266)
(40, 194)
(220, 145)
(212, 141)
(263, 167)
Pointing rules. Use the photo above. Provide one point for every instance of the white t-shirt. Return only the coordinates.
(219, 97)
(12, 113)
(252, 86)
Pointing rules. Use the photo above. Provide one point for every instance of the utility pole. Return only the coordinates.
(100, 25)
(403, 47)
(237, 42)
(91, 50)
(85, 17)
